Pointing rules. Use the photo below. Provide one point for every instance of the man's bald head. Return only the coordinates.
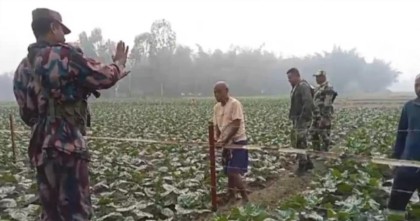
(221, 90)
(221, 84)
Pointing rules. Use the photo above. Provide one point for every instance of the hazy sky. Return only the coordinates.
(383, 29)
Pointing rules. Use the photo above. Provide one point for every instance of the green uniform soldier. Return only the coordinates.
(300, 114)
(324, 97)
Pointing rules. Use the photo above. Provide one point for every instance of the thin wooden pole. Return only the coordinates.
(212, 168)
(12, 135)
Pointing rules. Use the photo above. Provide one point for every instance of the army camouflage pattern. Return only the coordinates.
(22, 87)
(63, 184)
(50, 87)
(300, 114)
(299, 134)
(301, 106)
(322, 116)
(85, 105)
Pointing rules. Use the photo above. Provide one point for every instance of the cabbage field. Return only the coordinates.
(132, 180)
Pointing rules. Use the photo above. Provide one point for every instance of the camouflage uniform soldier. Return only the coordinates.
(301, 116)
(87, 92)
(324, 97)
(50, 86)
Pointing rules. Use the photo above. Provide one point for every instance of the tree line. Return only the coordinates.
(160, 66)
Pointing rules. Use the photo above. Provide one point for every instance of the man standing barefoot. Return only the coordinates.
(229, 125)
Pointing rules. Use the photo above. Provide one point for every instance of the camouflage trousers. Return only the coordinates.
(320, 133)
(63, 182)
(299, 138)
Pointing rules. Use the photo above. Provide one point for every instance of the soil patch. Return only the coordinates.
(276, 191)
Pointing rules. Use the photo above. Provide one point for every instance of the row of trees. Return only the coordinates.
(160, 66)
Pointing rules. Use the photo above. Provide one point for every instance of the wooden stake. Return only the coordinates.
(12, 135)
(212, 156)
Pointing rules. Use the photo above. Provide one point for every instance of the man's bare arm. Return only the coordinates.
(234, 129)
(216, 129)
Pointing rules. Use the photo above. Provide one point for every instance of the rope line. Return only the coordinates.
(358, 158)
(378, 188)
(305, 129)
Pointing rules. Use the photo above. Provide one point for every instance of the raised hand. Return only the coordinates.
(121, 54)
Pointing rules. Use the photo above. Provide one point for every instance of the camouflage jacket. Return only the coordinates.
(50, 88)
(22, 88)
(301, 106)
(323, 101)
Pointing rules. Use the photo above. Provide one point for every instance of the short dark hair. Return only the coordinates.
(293, 71)
(41, 26)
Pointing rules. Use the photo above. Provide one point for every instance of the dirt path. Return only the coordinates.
(284, 187)
(280, 190)
(287, 185)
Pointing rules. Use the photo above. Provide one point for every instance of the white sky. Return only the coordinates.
(383, 29)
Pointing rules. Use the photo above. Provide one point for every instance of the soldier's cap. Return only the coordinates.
(320, 73)
(45, 13)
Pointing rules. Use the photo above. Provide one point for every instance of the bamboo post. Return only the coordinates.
(212, 156)
(12, 136)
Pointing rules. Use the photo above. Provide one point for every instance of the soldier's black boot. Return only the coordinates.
(309, 164)
(304, 164)
(300, 170)
(316, 144)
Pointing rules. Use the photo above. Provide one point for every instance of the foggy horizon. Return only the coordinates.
(383, 30)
